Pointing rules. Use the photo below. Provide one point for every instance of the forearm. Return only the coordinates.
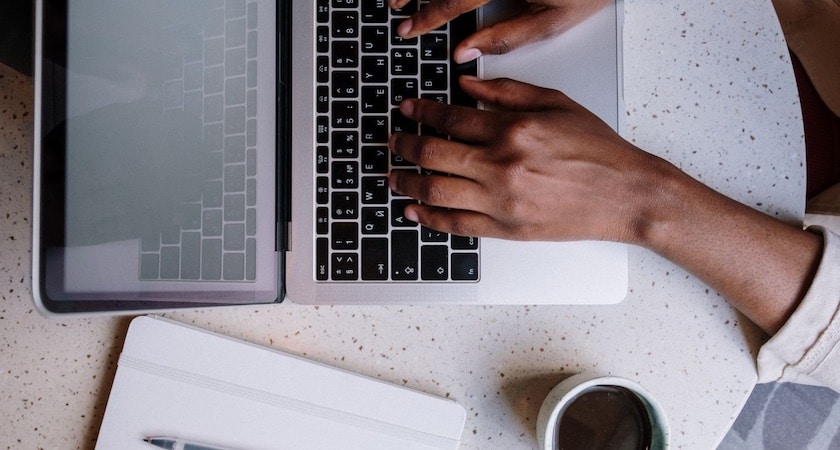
(761, 265)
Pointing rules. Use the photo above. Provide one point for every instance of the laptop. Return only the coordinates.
(191, 153)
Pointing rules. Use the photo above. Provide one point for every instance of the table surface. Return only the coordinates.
(708, 86)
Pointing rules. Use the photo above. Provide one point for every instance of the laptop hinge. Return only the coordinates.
(284, 118)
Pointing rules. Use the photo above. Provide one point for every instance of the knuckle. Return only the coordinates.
(462, 228)
(448, 118)
(432, 192)
(499, 46)
(426, 151)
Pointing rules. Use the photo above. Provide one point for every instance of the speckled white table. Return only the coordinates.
(708, 86)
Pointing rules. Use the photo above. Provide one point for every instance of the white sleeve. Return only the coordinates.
(806, 349)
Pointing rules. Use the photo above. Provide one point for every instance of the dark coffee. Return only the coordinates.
(604, 417)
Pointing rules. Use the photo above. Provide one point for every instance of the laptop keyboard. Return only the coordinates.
(364, 70)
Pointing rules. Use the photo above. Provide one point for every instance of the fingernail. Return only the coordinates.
(411, 215)
(407, 108)
(467, 55)
(392, 182)
(405, 27)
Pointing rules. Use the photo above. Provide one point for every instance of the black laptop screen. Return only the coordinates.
(148, 131)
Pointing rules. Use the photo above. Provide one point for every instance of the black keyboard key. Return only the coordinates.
(375, 159)
(345, 266)
(322, 39)
(374, 39)
(345, 235)
(439, 97)
(322, 258)
(396, 39)
(375, 129)
(375, 190)
(464, 243)
(345, 24)
(323, 100)
(434, 47)
(434, 264)
(403, 61)
(404, 264)
(322, 190)
(322, 69)
(345, 3)
(345, 114)
(403, 88)
(374, 11)
(375, 259)
(399, 161)
(322, 129)
(407, 10)
(322, 13)
(465, 266)
(345, 205)
(345, 54)
(374, 69)
(429, 235)
(434, 77)
(398, 214)
(345, 174)
(375, 99)
(345, 84)
(345, 144)
(322, 220)
(322, 159)
(401, 124)
(374, 220)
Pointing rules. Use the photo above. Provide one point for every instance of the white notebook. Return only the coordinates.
(180, 381)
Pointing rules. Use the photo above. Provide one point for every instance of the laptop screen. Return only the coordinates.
(150, 191)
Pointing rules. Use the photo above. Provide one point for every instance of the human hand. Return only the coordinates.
(537, 167)
(537, 20)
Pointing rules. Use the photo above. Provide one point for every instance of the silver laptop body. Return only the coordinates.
(151, 76)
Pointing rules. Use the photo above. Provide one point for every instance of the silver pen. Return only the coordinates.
(170, 443)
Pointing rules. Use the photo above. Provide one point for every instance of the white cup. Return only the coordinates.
(564, 394)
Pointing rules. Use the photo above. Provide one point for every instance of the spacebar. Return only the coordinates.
(459, 97)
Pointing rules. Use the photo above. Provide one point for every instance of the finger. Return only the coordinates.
(456, 221)
(439, 190)
(434, 15)
(397, 3)
(437, 154)
(461, 122)
(537, 22)
(514, 95)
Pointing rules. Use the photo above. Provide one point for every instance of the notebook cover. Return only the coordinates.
(181, 381)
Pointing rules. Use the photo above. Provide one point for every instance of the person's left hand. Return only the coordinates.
(537, 167)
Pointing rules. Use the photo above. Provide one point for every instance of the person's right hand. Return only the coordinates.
(537, 20)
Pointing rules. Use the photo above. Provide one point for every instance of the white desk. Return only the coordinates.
(708, 86)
